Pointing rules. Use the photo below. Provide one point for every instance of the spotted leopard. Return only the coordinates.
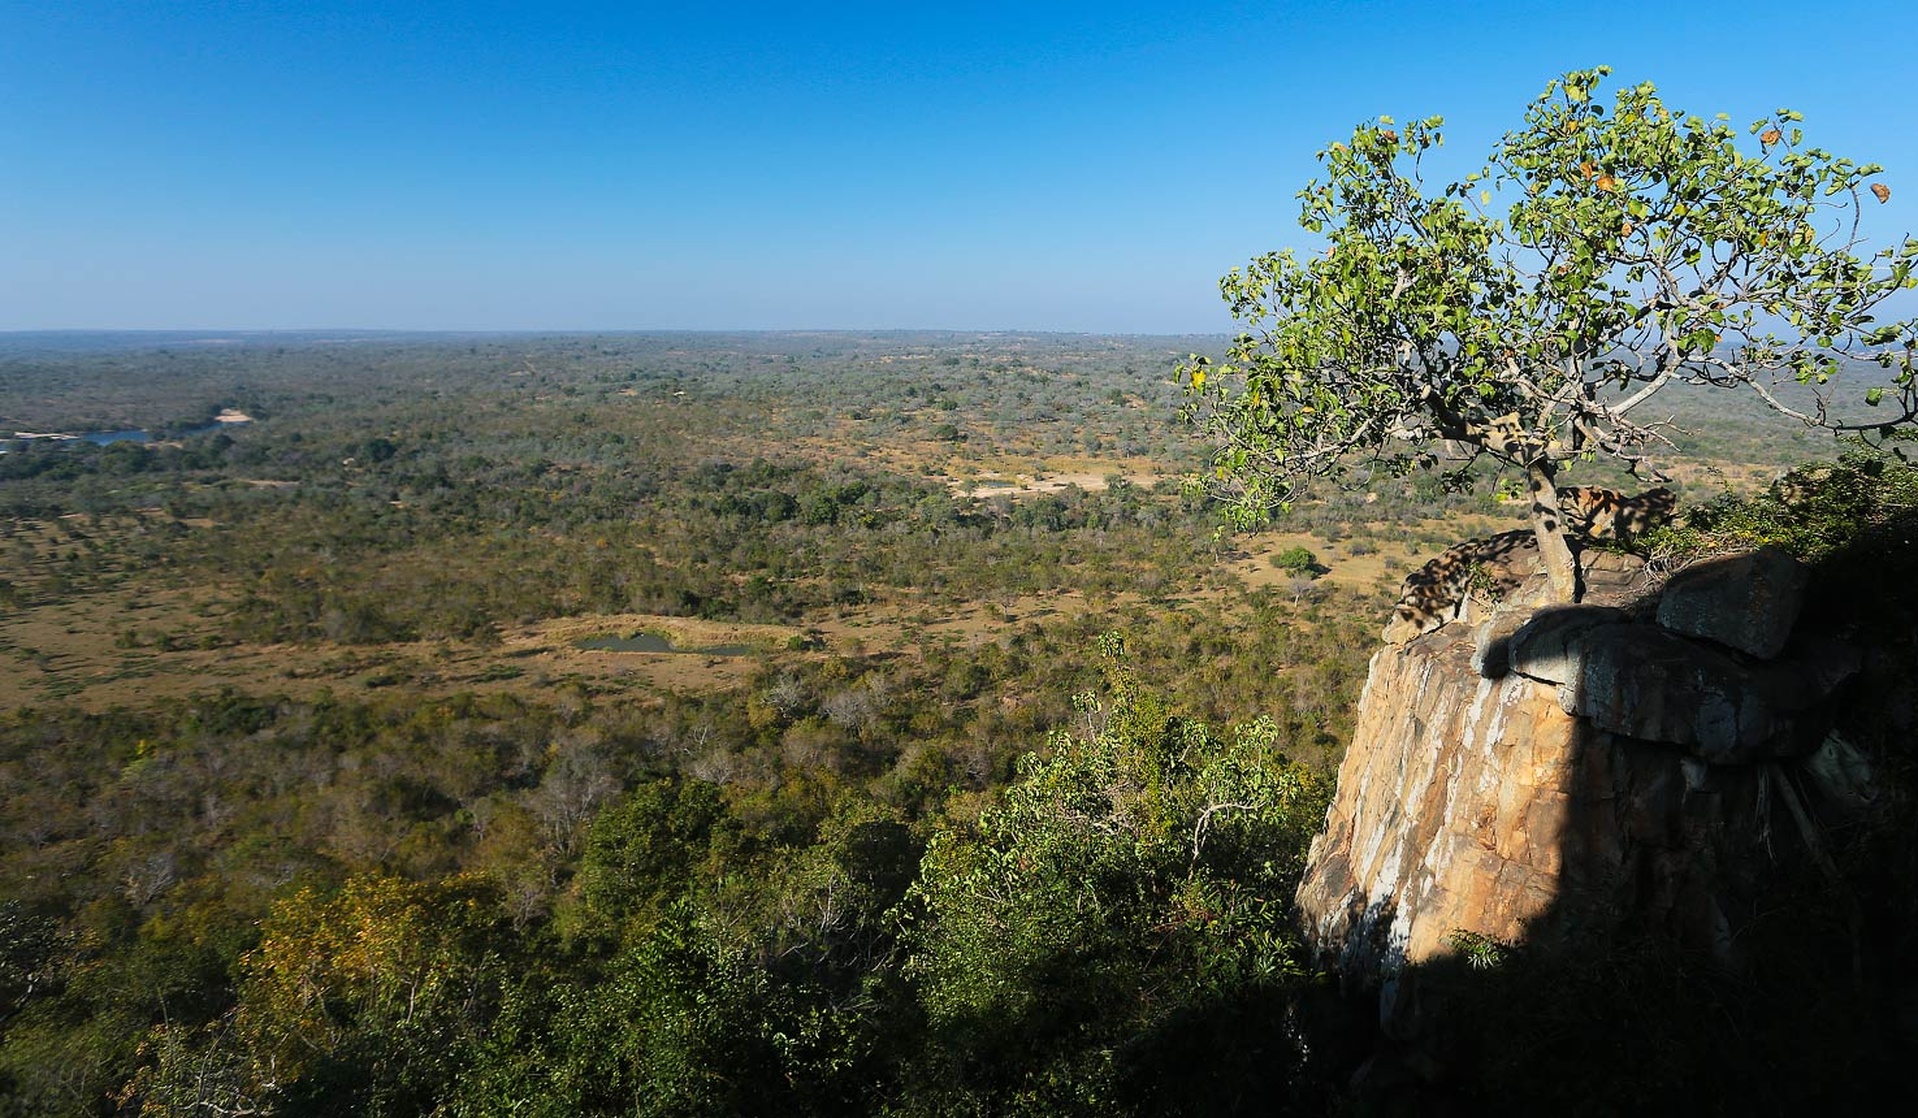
(1488, 569)
(1592, 513)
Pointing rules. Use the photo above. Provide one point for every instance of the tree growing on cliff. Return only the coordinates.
(1641, 248)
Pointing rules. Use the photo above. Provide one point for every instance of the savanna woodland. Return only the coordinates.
(822, 723)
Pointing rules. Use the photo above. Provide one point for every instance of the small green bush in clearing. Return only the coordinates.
(1298, 561)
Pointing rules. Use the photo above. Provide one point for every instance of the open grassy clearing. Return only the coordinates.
(77, 652)
(144, 639)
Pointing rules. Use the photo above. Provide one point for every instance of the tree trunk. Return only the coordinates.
(1548, 524)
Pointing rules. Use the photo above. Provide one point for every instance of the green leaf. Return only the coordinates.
(1617, 208)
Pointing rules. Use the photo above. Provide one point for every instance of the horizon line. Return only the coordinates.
(221, 331)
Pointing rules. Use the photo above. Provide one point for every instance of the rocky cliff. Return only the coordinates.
(1638, 759)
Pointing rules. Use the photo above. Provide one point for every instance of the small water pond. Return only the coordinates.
(653, 642)
(129, 435)
(136, 435)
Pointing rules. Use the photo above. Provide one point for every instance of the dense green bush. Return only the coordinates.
(1123, 908)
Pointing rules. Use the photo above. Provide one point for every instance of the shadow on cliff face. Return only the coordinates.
(1732, 923)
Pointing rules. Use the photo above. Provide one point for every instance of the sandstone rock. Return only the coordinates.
(1584, 768)
(1643, 682)
(1811, 668)
(1492, 639)
(1480, 805)
(1612, 578)
(1747, 602)
(1841, 776)
(1640, 681)
(1547, 646)
(1433, 829)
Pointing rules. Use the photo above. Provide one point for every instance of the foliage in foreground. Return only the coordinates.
(1817, 512)
(1111, 935)
(1117, 932)
(1642, 249)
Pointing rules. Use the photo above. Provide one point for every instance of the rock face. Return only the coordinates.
(1452, 802)
(1580, 764)
(1748, 602)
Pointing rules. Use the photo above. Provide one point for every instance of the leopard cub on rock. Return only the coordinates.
(1490, 568)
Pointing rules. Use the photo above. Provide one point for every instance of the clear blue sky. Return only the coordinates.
(631, 166)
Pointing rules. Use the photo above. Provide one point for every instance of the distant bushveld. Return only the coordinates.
(327, 785)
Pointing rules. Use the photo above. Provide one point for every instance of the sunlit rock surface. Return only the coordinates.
(1583, 765)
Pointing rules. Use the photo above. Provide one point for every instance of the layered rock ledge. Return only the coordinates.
(1624, 761)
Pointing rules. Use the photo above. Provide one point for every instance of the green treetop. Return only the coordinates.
(1641, 248)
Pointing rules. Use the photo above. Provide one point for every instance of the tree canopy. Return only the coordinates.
(1640, 248)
